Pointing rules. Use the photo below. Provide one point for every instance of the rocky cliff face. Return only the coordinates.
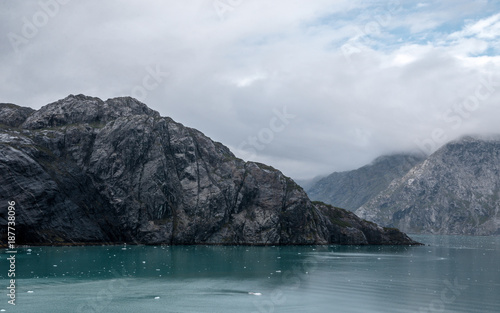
(455, 191)
(352, 189)
(83, 170)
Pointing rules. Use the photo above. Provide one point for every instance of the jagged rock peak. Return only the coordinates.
(84, 109)
(13, 115)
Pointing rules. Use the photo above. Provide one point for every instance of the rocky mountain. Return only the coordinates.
(83, 170)
(454, 191)
(352, 189)
(308, 183)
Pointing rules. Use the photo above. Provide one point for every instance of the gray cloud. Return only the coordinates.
(229, 71)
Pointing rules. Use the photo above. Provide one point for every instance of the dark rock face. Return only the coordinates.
(13, 115)
(83, 170)
(455, 191)
(352, 189)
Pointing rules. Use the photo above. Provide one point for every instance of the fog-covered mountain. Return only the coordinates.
(456, 190)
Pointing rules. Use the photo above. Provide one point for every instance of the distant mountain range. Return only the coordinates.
(453, 191)
(86, 171)
(352, 189)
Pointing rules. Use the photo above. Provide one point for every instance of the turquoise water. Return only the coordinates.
(450, 274)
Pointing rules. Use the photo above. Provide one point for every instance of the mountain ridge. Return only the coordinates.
(83, 170)
(351, 189)
(456, 190)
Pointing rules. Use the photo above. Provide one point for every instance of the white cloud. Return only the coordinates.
(487, 28)
(249, 79)
(227, 77)
(408, 54)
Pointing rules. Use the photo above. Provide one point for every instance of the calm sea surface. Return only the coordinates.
(449, 274)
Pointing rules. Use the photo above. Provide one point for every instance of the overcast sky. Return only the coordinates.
(309, 87)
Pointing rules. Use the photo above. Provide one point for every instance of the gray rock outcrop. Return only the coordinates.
(83, 170)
